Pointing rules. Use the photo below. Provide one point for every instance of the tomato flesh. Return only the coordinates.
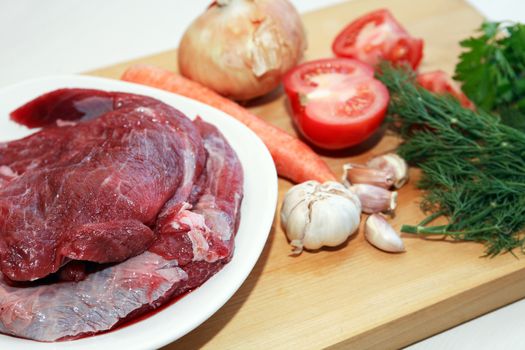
(375, 36)
(441, 83)
(335, 107)
(301, 80)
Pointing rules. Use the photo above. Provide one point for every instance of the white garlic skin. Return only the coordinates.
(382, 235)
(392, 163)
(315, 215)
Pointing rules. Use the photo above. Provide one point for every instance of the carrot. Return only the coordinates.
(293, 159)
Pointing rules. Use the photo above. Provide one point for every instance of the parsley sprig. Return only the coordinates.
(473, 166)
(492, 70)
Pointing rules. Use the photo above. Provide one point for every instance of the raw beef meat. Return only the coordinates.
(91, 191)
(193, 228)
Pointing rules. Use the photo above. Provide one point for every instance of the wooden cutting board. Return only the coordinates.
(356, 296)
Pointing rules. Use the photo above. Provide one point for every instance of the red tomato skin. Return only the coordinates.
(335, 136)
(441, 83)
(412, 48)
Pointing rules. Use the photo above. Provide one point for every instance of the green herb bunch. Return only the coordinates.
(492, 70)
(473, 166)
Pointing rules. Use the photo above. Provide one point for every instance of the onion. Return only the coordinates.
(242, 48)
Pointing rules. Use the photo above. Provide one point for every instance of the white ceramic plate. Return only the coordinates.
(257, 213)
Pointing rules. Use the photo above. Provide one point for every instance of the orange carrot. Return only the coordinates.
(293, 159)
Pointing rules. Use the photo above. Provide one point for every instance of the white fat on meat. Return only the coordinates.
(7, 172)
(219, 221)
(197, 231)
(189, 168)
(62, 123)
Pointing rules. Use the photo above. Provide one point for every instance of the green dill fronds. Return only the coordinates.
(473, 166)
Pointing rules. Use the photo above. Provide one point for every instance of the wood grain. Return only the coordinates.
(356, 296)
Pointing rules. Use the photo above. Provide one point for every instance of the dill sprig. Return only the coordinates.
(473, 166)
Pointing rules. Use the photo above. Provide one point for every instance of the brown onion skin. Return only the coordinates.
(242, 49)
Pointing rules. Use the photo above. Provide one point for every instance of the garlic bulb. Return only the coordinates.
(382, 235)
(315, 215)
(375, 199)
(242, 48)
(392, 163)
(360, 174)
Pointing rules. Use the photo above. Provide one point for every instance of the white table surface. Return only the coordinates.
(40, 37)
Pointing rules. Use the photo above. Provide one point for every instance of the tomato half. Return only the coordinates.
(378, 35)
(440, 82)
(336, 102)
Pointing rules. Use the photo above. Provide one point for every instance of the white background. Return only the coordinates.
(40, 37)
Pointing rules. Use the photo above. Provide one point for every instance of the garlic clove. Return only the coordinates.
(294, 218)
(382, 235)
(294, 196)
(392, 163)
(375, 199)
(332, 221)
(360, 174)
